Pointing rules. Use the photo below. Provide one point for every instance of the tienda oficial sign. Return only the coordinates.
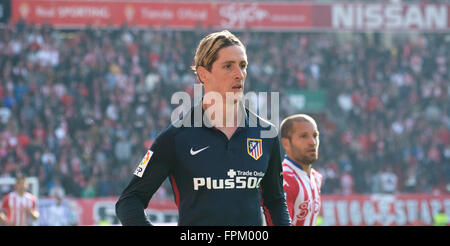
(266, 16)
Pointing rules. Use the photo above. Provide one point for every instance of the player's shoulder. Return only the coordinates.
(186, 121)
(167, 138)
(288, 174)
(164, 142)
(255, 120)
(317, 176)
(290, 182)
(7, 196)
(29, 196)
(261, 122)
(316, 173)
(168, 133)
(287, 169)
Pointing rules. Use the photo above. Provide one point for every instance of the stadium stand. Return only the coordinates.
(81, 107)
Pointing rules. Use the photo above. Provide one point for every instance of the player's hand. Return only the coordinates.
(4, 220)
(34, 213)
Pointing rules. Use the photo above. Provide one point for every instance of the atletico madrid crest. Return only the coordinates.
(254, 148)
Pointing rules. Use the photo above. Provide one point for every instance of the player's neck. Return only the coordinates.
(304, 167)
(307, 169)
(227, 119)
(20, 193)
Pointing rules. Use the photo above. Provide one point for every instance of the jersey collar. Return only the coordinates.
(293, 162)
(205, 121)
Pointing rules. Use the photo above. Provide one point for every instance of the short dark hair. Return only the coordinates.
(286, 124)
(20, 176)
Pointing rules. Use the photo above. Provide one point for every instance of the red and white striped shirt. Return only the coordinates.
(302, 193)
(15, 207)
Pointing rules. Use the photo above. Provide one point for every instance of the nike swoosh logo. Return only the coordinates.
(198, 151)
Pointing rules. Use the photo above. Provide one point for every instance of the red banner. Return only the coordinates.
(268, 16)
(336, 210)
(171, 14)
(390, 210)
(98, 211)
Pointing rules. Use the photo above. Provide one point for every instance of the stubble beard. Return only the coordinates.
(308, 160)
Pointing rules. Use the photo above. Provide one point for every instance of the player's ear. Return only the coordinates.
(285, 142)
(203, 74)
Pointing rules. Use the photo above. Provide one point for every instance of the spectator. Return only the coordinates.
(57, 190)
(89, 191)
(60, 213)
(388, 181)
(347, 183)
(122, 149)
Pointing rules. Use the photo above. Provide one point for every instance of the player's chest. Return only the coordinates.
(308, 197)
(208, 153)
(19, 203)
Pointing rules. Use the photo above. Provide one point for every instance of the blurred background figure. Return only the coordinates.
(19, 207)
(440, 219)
(60, 214)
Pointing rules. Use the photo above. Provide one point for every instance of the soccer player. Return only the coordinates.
(220, 175)
(300, 139)
(19, 206)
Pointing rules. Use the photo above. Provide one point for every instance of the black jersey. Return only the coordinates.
(215, 180)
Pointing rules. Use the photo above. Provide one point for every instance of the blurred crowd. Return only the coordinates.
(79, 108)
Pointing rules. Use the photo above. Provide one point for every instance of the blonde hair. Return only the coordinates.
(208, 49)
(286, 124)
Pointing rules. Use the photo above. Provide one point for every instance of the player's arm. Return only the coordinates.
(136, 196)
(3, 218)
(291, 190)
(274, 202)
(33, 211)
(319, 180)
